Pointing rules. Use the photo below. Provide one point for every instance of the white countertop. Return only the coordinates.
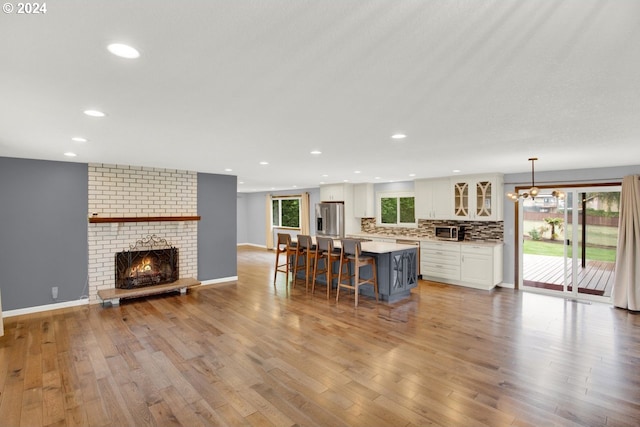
(384, 247)
(373, 247)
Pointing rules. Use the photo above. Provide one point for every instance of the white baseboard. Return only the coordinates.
(39, 308)
(218, 281)
(252, 244)
(506, 285)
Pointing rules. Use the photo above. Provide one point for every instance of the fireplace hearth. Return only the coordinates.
(150, 261)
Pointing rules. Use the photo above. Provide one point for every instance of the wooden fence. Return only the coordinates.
(591, 219)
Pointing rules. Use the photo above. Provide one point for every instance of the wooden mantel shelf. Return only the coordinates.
(102, 220)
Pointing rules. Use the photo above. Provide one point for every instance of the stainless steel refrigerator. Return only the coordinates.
(330, 219)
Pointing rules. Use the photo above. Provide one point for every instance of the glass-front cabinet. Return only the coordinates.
(461, 199)
(477, 197)
(484, 193)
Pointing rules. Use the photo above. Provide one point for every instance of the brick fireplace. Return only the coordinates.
(139, 192)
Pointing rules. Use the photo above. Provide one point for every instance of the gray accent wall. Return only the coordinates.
(217, 228)
(43, 231)
(243, 219)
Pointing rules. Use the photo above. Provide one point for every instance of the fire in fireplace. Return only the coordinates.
(151, 261)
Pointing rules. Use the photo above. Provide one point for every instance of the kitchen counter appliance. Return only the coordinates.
(449, 232)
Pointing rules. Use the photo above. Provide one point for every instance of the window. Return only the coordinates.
(396, 209)
(285, 212)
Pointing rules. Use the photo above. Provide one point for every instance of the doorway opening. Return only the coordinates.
(568, 244)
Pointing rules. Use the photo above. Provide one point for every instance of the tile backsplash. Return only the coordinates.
(474, 230)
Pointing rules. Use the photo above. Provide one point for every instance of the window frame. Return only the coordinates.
(279, 200)
(397, 195)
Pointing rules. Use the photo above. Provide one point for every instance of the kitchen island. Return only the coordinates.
(470, 263)
(397, 270)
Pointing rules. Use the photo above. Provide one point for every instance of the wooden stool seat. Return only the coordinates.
(307, 250)
(285, 247)
(325, 252)
(351, 253)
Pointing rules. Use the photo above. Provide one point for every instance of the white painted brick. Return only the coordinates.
(148, 192)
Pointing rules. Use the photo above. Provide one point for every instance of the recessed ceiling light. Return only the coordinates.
(228, 170)
(321, 182)
(345, 180)
(356, 171)
(94, 113)
(241, 182)
(316, 152)
(123, 51)
(456, 171)
(377, 177)
(70, 154)
(412, 174)
(264, 163)
(325, 175)
(295, 186)
(79, 139)
(398, 136)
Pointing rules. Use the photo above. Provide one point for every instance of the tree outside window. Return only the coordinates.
(285, 212)
(397, 210)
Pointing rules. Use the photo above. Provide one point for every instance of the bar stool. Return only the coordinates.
(284, 247)
(307, 250)
(324, 251)
(352, 252)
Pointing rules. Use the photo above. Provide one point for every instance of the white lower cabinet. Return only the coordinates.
(464, 264)
(481, 266)
(439, 261)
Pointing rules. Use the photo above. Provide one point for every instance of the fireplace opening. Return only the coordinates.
(151, 261)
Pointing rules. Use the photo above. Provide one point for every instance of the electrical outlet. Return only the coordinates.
(54, 292)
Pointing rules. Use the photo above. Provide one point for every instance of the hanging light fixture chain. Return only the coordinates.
(533, 177)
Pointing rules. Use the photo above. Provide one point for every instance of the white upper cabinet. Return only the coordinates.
(363, 201)
(343, 193)
(332, 193)
(477, 197)
(433, 198)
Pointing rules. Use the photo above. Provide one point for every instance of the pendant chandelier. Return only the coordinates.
(533, 191)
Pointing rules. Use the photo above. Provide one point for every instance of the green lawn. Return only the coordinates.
(540, 247)
(597, 235)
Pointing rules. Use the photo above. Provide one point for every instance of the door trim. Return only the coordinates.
(516, 216)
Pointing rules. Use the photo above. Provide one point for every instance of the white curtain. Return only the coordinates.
(626, 289)
(304, 214)
(268, 231)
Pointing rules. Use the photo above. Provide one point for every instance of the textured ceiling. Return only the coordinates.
(478, 86)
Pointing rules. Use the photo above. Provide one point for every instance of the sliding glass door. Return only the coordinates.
(568, 241)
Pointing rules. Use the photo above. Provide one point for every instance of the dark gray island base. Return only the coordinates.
(397, 270)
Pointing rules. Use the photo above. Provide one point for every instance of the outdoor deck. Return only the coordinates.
(548, 272)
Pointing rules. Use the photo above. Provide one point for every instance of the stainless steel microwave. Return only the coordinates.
(449, 232)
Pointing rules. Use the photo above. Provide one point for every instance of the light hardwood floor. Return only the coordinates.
(249, 353)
